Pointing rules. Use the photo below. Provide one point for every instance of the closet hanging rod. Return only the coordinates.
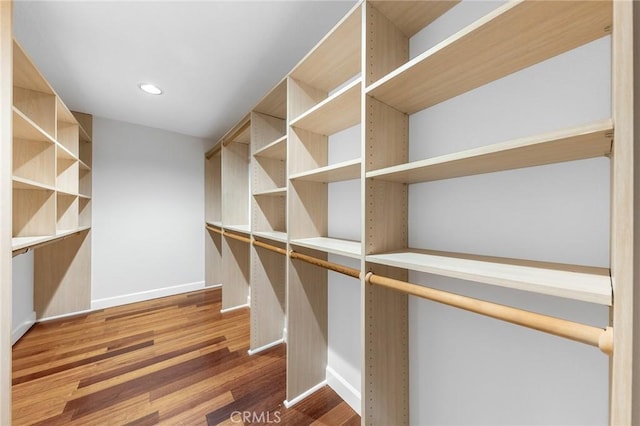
(24, 250)
(270, 247)
(325, 264)
(594, 336)
(214, 229)
(237, 237)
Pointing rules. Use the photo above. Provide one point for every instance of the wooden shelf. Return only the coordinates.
(496, 45)
(217, 224)
(338, 112)
(346, 248)
(412, 16)
(83, 166)
(25, 128)
(336, 57)
(276, 149)
(588, 141)
(274, 103)
(277, 192)
(22, 183)
(588, 284)
(18, 243)
(272, 235)
(346, 170)
(25, 74)
(244, 229)
(63, 152)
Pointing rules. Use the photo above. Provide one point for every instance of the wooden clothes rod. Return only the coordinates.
(270, 247)
(18, 252)
(594, 336)
(325, 264)
(237, 237)
(216, 230)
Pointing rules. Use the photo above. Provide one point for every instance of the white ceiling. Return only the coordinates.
(213, 59)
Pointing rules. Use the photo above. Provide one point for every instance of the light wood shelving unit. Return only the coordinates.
(269, 218)
(361, 74)
(51, 191)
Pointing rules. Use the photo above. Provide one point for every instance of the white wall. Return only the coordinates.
(23, 315)
(148, 212)
(466, 369)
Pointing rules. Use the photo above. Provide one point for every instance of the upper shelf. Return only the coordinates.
(25, 128)
(336, 57)
(338, 112)
(588, 284)
(24, 183)
(412, 16)
(274, 103)
(346, 248)
(276, 192)
(276, 149)
(25, 74)
(346, 170)
(578, 143)
(515, 36)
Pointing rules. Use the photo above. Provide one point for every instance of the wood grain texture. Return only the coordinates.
(25, 74)
(338, 112)
(39, 107)
(62, 276)
(274, 103)
(268, 304)
(336, 57)
(235, 272)
(34, 160)
(235, 184)
(213, 258)
(496, 45)
(34, 213)
(135, 365)
(588, 141)
(385, 373)
(386, 47)
(625, 367)
(6, 119)
(306, 326)
(412, 16)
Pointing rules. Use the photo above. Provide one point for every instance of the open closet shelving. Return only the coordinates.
(51, 191)
(361, 74)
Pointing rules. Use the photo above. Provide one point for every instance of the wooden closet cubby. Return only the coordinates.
(363, 81)
(51, 191)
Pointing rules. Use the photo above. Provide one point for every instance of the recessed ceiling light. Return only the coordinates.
(150, 88)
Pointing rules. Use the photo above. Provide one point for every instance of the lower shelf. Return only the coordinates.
(346, 248)
(588, 284)
(19, 243)
(272, 235)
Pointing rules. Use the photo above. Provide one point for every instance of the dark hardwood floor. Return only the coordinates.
(173, 361)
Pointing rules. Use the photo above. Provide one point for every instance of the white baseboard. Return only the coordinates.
(146, 295)
(219, 285)
(21, 329)
(303, 395)
(233, 308)
(344, 389)
(70, 314)
(265, 347)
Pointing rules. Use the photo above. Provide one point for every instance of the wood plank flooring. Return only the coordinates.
(174, 361)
